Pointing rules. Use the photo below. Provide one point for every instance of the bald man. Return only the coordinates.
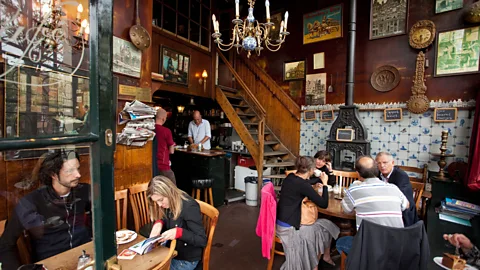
(165, 145)
(199, 131)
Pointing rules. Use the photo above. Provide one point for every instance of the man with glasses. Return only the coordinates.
(56, 216)
(394, 175)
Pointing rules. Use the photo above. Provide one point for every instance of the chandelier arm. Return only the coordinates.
(278, 46)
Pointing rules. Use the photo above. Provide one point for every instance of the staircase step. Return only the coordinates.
(250, 124)
(278, 176)
(246, 114)
(232, 96)
(270, 142)
(279, 164)
(275, 153)
(228, 89)
(241, 106)
(255, 132)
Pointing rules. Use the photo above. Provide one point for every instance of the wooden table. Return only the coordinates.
(68, 260)
(346, 222)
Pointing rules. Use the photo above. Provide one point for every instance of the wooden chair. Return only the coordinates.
(274, 250)
(417, 194)
(421, 172)
(289, 172)
(121, 208)
(418, 190)
(210, 218)
(23, 244)
(347, 177)
(139, 202)
(172, 253)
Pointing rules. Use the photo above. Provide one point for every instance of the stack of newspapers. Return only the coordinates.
(140, 124)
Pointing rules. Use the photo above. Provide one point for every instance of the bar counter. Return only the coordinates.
(188, 165)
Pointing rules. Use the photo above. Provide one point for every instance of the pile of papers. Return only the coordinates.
(140, 124)
(458, 211)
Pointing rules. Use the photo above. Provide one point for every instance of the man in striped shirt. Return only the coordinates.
(372, 199)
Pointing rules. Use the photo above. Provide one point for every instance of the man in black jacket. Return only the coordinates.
(394, 175)
(56, 215)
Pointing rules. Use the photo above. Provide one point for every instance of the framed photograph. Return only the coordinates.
(319, 60)
(174, 66)
(294, 70)
(315, 92)
(323, 24)
(127, 59)
(457, 52)
(447, 5)
(295, 88)
(388, 18)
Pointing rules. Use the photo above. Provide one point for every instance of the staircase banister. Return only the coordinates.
(292, 103)
(242, 84)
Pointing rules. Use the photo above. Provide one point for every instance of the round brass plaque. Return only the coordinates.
(418, 104)
(385, 78)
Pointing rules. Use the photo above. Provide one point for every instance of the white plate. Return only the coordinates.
(125, 236)
(438, 260)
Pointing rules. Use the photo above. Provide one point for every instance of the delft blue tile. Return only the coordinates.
(427, 114)
(402, 155)
(436, 141)
(462, 122)
(425, 148)
(414, 122)
(414, 139)
(322, 142)
(424, 157)
(425, 139)
(425, 130)
(384, 129)
(403, 130)
(403, 163)
(393, 137)
(403, 148)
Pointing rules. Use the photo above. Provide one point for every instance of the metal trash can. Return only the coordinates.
(251, 190)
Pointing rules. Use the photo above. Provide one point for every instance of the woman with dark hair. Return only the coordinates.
(177, 217)
(303, 243)
(323, 162)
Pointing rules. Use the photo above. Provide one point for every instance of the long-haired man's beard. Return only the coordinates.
(70, 183)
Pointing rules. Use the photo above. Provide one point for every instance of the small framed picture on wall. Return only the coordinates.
(294, 70)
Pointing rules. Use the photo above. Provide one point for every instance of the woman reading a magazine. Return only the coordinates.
(177, 216)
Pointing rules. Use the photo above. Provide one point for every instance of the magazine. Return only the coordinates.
(146, 245)
(462, 205)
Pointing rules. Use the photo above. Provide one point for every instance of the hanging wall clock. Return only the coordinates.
(422, 34)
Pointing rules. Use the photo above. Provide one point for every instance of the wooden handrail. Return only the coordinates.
(242, 84)
(277, 90)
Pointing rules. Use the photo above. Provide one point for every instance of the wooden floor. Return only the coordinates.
(235, 245)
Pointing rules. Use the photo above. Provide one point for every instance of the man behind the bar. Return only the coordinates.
(394, 175)
(165, 145)
(199, 131)
(56, 216)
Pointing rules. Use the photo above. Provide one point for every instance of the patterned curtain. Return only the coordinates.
(473, 176)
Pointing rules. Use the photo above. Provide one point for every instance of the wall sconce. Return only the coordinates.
(203, 79)
(180, 108)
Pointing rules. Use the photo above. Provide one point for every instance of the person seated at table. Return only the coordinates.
(372, 200)
(323, 162)
(303, 243)
(469, 252)
(177, 217)
(56, 215)
(389, 173)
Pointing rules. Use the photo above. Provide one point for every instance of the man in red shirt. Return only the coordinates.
(165, 145)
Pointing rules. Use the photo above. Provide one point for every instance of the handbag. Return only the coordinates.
(309, 212)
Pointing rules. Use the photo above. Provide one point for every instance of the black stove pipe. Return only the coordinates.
(352, 28)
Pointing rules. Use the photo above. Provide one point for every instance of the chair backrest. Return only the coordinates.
(210, 218)
(417, 188)
(347, 177)
(421, 173)
(121, 208)
(2, 226)
(23, 244)
(289, 172)
(138, 201)
(172, 253)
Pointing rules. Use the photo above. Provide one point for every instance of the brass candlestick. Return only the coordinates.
(442, 163)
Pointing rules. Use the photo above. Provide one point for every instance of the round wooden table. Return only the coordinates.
(345, 221)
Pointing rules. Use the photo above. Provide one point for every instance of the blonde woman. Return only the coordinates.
(177, 216)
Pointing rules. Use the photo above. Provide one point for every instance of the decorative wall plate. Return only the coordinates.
(385, 78)
(422, 34)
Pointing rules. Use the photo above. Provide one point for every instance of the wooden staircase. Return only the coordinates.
(248, 117)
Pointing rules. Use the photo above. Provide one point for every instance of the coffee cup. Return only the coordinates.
(317, 173)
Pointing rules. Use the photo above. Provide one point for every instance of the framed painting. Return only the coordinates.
(315, 89)
(388, 18)
(457, 52)
(127, 59)
(294, 70)
(447, 5)
(323, 24)
(175, 66)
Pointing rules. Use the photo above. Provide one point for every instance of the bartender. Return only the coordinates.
(199, 131)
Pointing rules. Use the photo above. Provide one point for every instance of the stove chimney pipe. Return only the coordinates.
(352, 28)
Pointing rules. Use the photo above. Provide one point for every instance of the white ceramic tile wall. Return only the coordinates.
(411, 141)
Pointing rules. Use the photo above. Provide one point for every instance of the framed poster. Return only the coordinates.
(447, 5)
(323, 24)
(388, 18)
(319, 60)
(294, 70)
(175, 66)
(457, 52)
(127, 59)
(316, 89)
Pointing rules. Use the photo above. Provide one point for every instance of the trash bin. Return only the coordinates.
(251, 190)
